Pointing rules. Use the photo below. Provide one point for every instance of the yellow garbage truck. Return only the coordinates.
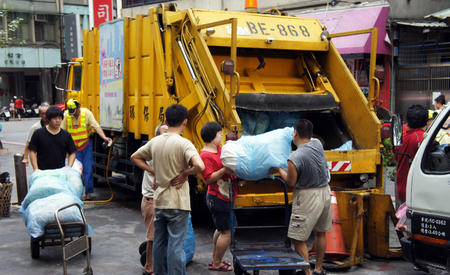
(251, 73)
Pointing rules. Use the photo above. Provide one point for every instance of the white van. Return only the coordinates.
(428, 199)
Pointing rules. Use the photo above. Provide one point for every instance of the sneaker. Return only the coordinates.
(88, 197)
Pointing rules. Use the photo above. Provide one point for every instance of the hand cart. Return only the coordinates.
(72, 236)
(268, 255)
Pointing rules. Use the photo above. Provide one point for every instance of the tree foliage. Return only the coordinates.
(7, 36)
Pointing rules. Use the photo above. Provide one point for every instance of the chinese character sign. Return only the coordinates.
(103, 11)
(111, 74)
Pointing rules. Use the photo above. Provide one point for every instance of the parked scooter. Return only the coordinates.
(35, 109)
(4, 113)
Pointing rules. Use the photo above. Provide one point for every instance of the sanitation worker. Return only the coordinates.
(77, 122)
(311, 201)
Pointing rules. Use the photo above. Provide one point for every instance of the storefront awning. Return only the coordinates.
(356, 19)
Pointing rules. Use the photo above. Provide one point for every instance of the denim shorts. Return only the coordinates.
(220, 211)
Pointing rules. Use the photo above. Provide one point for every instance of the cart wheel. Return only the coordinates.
(90, 247)
(286, 272)
(237, 268)
(144, 258)
(88, 271)
(34, 248)
(143, 247)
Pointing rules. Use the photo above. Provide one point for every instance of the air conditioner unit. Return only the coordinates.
(40, 18)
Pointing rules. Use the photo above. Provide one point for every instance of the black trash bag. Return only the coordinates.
(4, 177)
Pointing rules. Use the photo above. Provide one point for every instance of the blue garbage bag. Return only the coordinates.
(44, 187)
(253, 156)
(41, 212)
(189, 244)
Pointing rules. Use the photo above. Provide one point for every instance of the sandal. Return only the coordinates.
(224, 262)
(319, 273)
(224, 267)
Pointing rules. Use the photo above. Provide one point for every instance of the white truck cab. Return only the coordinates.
(428, 198)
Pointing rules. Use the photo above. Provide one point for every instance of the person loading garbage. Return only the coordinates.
(77, 122)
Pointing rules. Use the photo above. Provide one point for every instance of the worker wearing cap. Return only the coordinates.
(77, 122)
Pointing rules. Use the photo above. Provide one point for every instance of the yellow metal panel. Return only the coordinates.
(253, 29)
(362, 123)
(363, 161)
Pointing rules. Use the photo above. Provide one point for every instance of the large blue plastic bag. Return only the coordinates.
(68, 174)
(44, 187)
(189, 244)
(348, 146)
(41, 212)
(253, 156)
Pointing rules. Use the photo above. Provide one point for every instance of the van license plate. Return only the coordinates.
(431, 225)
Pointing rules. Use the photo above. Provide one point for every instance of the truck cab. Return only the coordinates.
(427, 221)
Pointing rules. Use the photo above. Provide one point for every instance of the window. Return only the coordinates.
(436, 159)
(45, 27)
(23, 31)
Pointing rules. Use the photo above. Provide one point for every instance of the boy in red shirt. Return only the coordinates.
(218, 179)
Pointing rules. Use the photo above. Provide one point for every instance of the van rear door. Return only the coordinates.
(428, 189)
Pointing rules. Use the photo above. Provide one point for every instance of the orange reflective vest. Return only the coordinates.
(80, 133)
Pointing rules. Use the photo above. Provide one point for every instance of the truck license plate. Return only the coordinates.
(431, 225)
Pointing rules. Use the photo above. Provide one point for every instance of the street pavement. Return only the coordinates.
(119, 230)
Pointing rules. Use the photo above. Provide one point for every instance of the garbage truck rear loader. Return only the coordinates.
(251, 73)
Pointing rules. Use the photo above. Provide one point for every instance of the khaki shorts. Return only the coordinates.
(148, 212)
(311, 211)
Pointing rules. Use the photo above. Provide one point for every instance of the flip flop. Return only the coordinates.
(319, 273)
(224, 262)
(224, 267)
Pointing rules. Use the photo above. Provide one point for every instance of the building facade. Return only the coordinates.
(27, 70)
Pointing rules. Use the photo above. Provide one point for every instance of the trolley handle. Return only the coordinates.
(63, 237)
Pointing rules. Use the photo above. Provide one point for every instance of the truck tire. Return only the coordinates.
(199, 210)
(144, 258)
(34, 248)
(143, 247)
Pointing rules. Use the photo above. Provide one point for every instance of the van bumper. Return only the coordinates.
(420, 253)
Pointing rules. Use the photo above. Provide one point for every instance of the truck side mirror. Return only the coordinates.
(397, 130)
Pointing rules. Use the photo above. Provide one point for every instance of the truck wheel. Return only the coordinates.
(143, 247)
(143, 258)
(34, 248)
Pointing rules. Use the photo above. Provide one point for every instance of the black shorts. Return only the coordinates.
(19, 111)
(220, 211)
